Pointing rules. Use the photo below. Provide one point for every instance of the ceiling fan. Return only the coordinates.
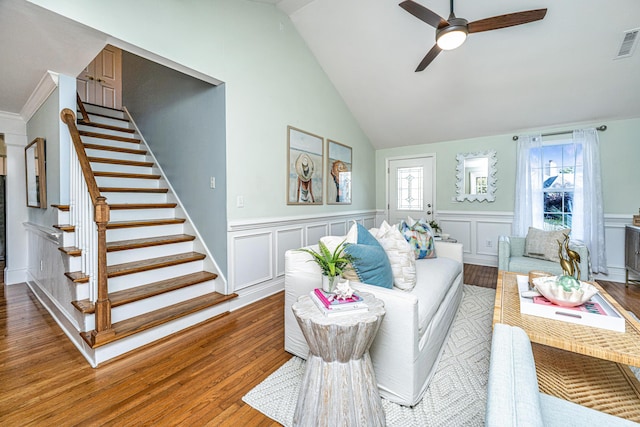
(452, 32)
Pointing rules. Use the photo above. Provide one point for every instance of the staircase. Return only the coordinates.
(159, 276)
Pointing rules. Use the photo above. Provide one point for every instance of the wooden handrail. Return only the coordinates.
(85, 116)
(103, 330)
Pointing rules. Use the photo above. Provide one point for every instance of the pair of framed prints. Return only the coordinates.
(307, 167)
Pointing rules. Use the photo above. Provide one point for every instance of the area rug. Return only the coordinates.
(457, 393)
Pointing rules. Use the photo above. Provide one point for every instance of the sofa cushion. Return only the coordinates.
(370, 263)
(400, 254)
(435, 277)
(420, 237)
(543, 244)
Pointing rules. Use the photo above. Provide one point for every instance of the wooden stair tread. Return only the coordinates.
(147, 291)
(132, 190)
(125, 175)
(77, 276)
(119, 162)
(71, 250)
(65, 227)
(122, 119)
(107, 136)
(148, 241)
(105, 126)
(152, 264)
(152, 319)
(144, 223)
(64, 208)
(120, 206)
(114, 149)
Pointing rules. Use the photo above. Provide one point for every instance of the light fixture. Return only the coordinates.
(453, 35)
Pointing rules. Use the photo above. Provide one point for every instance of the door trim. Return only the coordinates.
(434, 174)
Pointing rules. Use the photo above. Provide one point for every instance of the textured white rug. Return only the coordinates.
(457, 393)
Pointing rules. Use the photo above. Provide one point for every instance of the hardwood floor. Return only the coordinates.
(197, 378)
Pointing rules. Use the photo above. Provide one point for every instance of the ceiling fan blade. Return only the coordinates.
(508, 20)
(423, 14)
(429, 57)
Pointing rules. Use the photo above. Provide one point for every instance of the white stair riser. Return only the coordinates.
(68, 239)
(112, 143)
(132, 255)
(108, 167)
(111, 132)
(118, 234)
(110, 121)
(116, 155)
(73, 263)
(104, 111)
(117, 348)
(124, 197)
(129, 281)
(159, 301)
(138, 214)
(106, 181)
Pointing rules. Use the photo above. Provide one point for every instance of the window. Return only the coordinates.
(561, 166)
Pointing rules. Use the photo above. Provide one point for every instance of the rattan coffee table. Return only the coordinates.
(578, 363)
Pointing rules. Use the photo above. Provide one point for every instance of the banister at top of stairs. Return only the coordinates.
(103, 330)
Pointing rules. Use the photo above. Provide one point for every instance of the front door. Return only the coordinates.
(411, 189)
(100, 82)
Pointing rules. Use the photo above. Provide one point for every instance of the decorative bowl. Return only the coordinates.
(445, 236)
(566, 296)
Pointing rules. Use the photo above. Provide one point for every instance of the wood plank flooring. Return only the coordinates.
(198, 378)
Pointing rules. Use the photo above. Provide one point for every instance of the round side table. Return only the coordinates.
(339, 386)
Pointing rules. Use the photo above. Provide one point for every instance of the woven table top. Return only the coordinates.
(620, 347)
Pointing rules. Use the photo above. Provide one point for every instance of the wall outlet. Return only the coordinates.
(213, 182)
(489, 243)
(240, 202)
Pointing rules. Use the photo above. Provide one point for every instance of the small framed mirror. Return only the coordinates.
(34, 160)
(476, 176)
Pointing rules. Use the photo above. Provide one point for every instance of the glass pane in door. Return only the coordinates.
(410, 194)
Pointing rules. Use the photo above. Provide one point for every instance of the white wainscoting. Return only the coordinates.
(478, 231)
(256, 248)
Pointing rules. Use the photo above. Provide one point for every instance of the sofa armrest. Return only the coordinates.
(512, 393)
(504, 252)
(450, 250)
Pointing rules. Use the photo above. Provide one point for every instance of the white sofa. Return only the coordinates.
(410, 340)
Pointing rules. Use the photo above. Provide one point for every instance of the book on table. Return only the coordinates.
(339, 310)
(330, 300)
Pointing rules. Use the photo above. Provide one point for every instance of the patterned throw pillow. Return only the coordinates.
(400, 254)
(420, 237)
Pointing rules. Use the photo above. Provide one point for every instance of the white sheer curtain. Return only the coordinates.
(589, 227)
(588, 212)
(529, 201)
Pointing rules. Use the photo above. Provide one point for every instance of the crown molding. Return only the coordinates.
(48, 83)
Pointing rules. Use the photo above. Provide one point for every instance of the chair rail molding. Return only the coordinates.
(256, 248)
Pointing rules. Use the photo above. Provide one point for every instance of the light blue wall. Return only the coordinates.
(271, 81)
(183, 121)
(620, 151)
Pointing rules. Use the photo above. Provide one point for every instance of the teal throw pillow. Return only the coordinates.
(371, 262)
(420, 237)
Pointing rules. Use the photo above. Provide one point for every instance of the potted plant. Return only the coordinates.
(435, 227)
(332, 264)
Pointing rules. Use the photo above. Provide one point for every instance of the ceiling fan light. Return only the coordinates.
(451, 37)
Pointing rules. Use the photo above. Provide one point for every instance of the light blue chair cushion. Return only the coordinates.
(371, 262)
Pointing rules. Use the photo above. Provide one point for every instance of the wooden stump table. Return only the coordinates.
(339, 387)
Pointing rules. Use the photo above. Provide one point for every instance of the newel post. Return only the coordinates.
(103, 329)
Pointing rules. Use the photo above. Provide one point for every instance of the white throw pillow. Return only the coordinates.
(400, 254)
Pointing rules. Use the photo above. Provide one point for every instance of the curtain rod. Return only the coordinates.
(600, 128)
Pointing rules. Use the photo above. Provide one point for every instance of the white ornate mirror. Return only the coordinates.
(476, 176)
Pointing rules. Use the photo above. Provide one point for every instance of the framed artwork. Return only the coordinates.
(305, 163)
(338, 173)
(34, 160)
